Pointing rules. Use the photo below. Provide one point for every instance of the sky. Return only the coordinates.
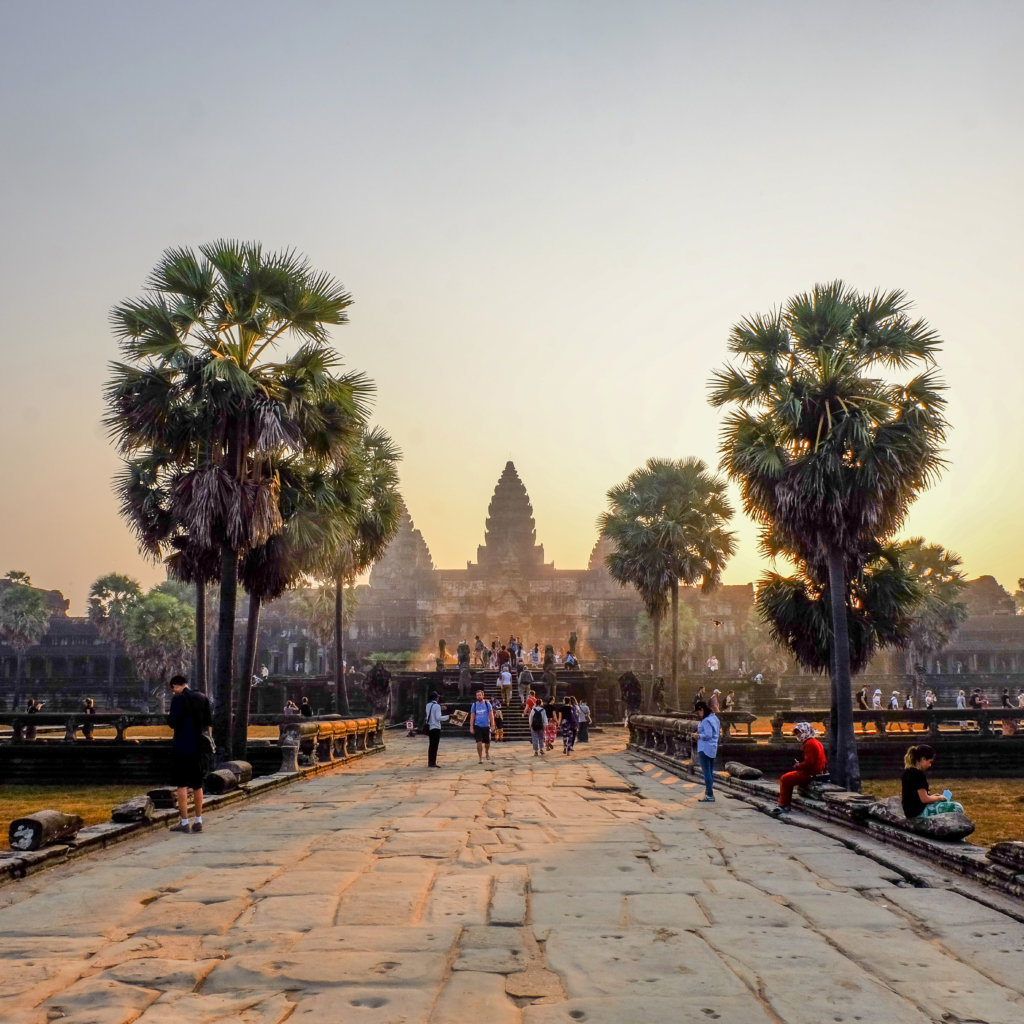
(549, 214)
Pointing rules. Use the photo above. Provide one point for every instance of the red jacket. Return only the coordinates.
(814, 758)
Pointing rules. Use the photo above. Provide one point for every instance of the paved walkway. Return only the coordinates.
(589, 890)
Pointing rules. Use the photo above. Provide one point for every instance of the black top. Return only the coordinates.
(306, 709)
(189, 716)
(913, 780)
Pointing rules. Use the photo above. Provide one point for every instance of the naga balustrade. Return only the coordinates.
(892, 722)
(307, 742)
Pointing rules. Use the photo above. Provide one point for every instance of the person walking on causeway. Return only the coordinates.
(804, 771)
(481, 720)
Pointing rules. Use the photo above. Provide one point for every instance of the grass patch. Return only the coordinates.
(92, 803)
(996, 806)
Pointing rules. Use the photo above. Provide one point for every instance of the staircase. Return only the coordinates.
(517, 728)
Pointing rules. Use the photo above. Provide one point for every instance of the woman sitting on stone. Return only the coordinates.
(917, 801)
(804, 771)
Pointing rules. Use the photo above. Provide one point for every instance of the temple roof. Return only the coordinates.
(406, 554)
(510, 535)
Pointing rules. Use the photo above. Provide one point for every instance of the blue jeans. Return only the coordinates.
(707, 766)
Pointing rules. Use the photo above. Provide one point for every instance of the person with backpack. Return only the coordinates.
(190, 718)
(570, 722)
(538, 723)
(435, 716)
(481, 720)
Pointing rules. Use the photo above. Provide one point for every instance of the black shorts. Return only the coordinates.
(188, 770)
(482, 733)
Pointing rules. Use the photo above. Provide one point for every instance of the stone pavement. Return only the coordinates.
(593, 889)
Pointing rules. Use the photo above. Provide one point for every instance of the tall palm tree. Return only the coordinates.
(205, 386)
(24, 616)
(369, 486)
(110, 598)
(828, 448)
(667, 522)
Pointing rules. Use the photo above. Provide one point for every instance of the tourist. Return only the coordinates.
(503, 658)
(554, 723)
(435, 717)
(712, 664)
(862, 705)
(584, 723)
(1004, 699)
(758, 679)
(917, 801)
(804, 771)
(305, 708)
(961, 705)
(976, 701)
(930, 700)
(189, 716)
(715, 701)
(478, 650)
(730, 701)
(89, 710)
(1020, 697)
(570, 719)
(523, 683)
(708, 730)
(32, 708)
(499, 721)
(538, 727)
(570, 661)
(290, 707)
(505, 683)
(529, 703)
(481, 719)
(535, 655)
(698, 697)
(876, 701)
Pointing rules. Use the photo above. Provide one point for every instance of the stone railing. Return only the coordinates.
(308, 742)
(23, 725)
(890, 722)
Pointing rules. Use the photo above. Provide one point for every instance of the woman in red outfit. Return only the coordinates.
(804, 771)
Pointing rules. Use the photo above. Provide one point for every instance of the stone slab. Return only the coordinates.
(472, 996)
(702, 1009)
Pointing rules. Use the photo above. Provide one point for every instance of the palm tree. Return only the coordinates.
(939, 610)
(667, 521)
(205, 393)
(159, 635)
(828, 450)
(24, 616)
(110, 598)
(370, 486)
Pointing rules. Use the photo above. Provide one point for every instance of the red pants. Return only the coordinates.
(786, 784)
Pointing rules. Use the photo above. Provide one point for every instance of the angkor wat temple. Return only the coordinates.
(511, 589)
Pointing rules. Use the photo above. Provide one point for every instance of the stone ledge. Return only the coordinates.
(16, 864)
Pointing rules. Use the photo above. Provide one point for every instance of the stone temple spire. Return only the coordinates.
(510, 536)
(406, 555)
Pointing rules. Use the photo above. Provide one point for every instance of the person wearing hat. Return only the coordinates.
(804, 771)
(876, 701)
(434, 719)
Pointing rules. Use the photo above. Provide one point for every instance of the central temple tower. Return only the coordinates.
(510, 533)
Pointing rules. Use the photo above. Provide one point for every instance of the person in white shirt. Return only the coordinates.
(435, 717)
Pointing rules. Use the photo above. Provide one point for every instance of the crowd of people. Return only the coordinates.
(517, 655)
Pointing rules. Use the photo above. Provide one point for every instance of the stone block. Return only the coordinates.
(164, 797)
(472, 996)
(742, 771)
(44, 828)
(242, 770)
(220, 781)
(138, 808)
(1009, 854)
(951, 827)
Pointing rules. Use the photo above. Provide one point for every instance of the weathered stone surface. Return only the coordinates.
(44, 828)
(471, 996)
(138, 808)
(160, 973)
(508, 901)
(163, 797)
(742, 771)
(700, 1008)
(950, 827)
(368, 1005)
(534, 984)
(242, 770)
(1010, 854)
(220, 781)
(99, 999)
(179, 917)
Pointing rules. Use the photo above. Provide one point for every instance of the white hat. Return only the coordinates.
(878, 692)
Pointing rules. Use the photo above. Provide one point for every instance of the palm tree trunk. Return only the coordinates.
(846, 767)
(222, 716)
(19, 655)
(243, 687)
(656, 660)
(340, 685)
(202, 681)
(111, 685)
(675, 643)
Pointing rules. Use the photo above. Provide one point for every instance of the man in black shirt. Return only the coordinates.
(189, 717)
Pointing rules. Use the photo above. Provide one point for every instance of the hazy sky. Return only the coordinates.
(549, 215)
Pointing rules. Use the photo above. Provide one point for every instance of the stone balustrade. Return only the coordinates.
(22, 724)
(308, 742)
(989, 721)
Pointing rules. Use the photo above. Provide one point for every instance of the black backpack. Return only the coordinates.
(537, 719)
